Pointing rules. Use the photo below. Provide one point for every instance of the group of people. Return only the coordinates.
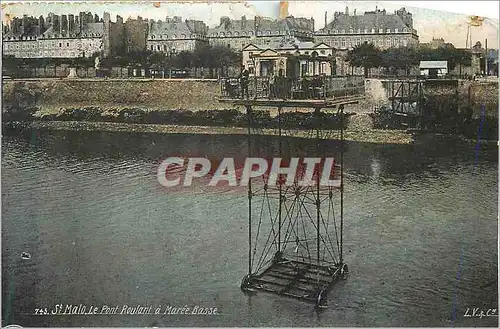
(279, 86)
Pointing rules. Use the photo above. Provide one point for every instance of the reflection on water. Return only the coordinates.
(100, 230)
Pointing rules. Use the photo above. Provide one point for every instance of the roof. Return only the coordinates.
(367, 21)
(290, 23)
(433, 64)
(92, 29)
(160, 29)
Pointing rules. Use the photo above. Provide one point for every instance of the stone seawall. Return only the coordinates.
(152, 94)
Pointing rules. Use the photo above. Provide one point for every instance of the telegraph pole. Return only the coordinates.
(486, 57)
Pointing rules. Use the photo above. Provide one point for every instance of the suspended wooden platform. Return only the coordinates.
(300, 280)
(306, 92)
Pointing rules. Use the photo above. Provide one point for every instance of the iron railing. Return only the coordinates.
(314, 87)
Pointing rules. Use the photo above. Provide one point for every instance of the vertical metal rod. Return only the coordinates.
(280, 190)
(249, 115)
(316, 112)
(341, 181)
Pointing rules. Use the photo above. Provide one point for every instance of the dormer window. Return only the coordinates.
(396, 30)
(380, 30)
(373, 30)
(388, 31)
(351, 31)
(152, 37)
(222, 34)
(174, 36)
(405, 30)
(343, 31)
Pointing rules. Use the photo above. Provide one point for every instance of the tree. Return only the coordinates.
(447, 53)
(365, 55)
(400, 58)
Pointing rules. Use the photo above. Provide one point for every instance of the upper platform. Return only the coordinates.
(315, 91)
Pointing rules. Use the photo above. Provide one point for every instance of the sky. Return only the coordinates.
(451, 25)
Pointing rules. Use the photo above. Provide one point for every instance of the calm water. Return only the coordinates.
(100, 230)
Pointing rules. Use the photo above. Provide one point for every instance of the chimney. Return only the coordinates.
(96, 18)
(71, 23)
(354, 12)
(64, 23)
(56, 24)
(243, 22)
(347, 11)
(326, 14)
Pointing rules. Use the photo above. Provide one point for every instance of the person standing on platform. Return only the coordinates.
(244, 76)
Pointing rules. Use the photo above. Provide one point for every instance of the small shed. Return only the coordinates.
(433, 69)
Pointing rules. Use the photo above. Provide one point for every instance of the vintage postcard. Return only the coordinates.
(249, 164)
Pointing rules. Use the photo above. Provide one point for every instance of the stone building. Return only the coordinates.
(136, 34)
(382, 29)
(291, 58)
(63, 36)
(175, 35)
(237, 34)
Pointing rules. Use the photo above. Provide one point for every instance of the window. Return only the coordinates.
(165, 47)
(343, 42)
(183, 36)
(380, 30)
(67, 44)
(151, 47)
(158, 47)
(60, 44)
(322, 52)
(174, 36)
(388, 31)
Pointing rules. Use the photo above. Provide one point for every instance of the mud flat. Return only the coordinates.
(368, 135)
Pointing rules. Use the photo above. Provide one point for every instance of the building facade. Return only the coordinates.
(382, 29)
(64, 36)
(175, 35)
(289, 58)
(237, 34)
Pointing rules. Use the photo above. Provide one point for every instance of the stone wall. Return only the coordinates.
(153, 94)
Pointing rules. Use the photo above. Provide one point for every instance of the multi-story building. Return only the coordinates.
(136, 34)
(289, 58)
(236, 34)
(382, 29)
(175, 35)
(64, 36)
